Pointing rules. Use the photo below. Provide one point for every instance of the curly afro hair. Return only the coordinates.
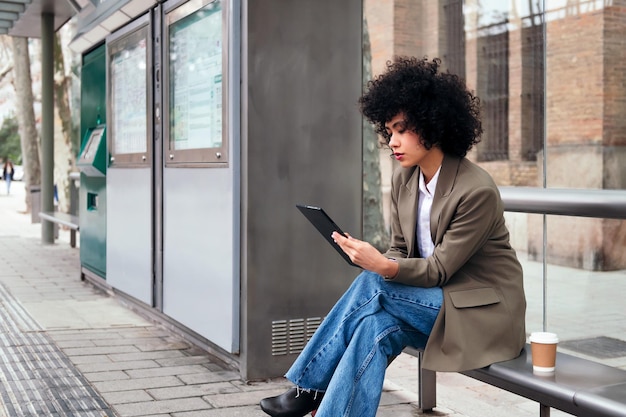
(436, 105)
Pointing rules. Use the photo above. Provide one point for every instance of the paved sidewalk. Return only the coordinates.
(70, 349)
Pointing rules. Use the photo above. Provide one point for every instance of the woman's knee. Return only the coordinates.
(368, 280)
(385, 336)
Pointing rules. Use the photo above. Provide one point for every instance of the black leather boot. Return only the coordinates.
(292, 403)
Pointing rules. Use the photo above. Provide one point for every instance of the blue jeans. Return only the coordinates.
(347, 356)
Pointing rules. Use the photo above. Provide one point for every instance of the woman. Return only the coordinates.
(7, 173)
(450, 282)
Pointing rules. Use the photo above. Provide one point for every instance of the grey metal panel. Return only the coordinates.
(234, 143)
(129, 231)
(158, 160)
(198, 252)
(301, 144)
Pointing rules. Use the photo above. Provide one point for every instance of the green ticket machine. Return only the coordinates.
(92, 158)
(92, 162)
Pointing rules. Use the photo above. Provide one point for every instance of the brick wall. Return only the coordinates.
(574, 96)
(401, 27)
(586, 99)
(379, 16)
(614, 137)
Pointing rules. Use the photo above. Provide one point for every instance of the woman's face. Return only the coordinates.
(406, 144)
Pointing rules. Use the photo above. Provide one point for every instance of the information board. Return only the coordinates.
(195, 60)
(128, 95)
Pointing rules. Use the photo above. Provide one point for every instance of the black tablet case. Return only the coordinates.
(325, 225)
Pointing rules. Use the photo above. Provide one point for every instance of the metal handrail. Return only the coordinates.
(603, 204)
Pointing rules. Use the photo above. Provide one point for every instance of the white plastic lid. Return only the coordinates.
(543, 337)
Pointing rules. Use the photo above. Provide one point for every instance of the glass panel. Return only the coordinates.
(526, 236)
(584, 148)
(196, 80)
(377, 166)
(584, 302)
(195, 35)
(586, 92)
(129, 92)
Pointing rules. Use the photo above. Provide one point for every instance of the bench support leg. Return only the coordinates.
(544, 410)
(427, 389)
(73, 238)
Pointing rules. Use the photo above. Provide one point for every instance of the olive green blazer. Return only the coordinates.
(483, 313)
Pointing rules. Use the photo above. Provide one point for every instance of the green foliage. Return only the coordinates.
(10, 140)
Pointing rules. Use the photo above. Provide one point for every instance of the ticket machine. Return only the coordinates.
(92, 158)
(92, 162)
(92, 165)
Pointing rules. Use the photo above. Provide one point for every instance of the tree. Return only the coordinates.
(64, 158)
(5, 57)
(10, 140)
(373, 222)
(23, 84)
(65, 142)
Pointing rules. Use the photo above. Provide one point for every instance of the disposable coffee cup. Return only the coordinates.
(543, 348)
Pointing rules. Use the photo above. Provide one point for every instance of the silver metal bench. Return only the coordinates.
(65, 219)
(578, 386)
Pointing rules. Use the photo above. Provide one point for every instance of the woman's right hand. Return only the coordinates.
(365, 255)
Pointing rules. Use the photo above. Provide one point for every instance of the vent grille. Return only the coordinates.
(290, 336)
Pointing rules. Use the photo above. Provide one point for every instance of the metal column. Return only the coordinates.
(47, 124)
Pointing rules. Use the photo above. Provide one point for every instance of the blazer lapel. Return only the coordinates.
(445, 183)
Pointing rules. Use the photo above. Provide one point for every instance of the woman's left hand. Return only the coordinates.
(365, 255)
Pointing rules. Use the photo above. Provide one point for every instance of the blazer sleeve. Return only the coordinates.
(468, 221)
(398, 247)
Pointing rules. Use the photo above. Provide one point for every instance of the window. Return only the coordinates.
(493, 89)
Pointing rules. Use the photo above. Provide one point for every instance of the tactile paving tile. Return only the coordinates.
(36, 377)
(599, 347)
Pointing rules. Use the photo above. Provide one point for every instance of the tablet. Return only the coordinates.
(326, 226)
